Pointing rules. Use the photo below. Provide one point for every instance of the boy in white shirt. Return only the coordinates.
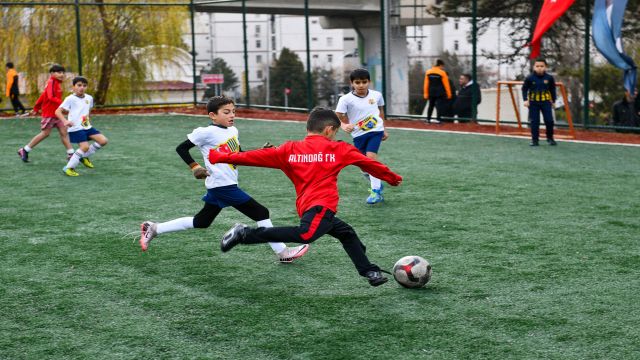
(221, 181)
(79, 105)
(362, 115)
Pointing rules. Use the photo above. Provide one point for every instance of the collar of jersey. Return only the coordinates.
(218, 125)
(361, 97)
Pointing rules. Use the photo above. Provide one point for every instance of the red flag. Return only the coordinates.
(551, 11)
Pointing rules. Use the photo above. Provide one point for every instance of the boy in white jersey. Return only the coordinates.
(362, 115)
(79, 105)
(221, 181)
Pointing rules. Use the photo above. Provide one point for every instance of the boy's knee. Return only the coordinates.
(103, 142)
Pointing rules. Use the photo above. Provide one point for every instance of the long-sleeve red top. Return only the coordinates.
(50, 99)
(312, 165)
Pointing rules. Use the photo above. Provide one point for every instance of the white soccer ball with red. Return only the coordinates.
(412, 271)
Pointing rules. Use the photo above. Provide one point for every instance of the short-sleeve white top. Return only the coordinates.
(362, 112)
(78, 108)
(220, 139)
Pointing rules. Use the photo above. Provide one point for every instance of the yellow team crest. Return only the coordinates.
(232, 145)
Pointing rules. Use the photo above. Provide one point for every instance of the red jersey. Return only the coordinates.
(50, 99)
(312, 165)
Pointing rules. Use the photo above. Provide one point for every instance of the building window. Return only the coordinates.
(314, 21)
(258, 59)
(273, 42)
(314, 39)
(258, 29)
(456, 24)
(456, 45)
(329, 41)
(258, 43)
(315, 56)
(419, 45)
(349, 39)
(330, 58)
(259, 74)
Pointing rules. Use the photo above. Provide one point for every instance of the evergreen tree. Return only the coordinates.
(288, 72)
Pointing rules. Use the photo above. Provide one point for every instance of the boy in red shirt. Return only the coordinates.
(49, 102)
(312, 165)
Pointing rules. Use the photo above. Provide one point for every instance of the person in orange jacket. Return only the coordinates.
(12, 92)
(437, 90)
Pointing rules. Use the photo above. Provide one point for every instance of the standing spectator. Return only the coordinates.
(437, 90)
(539, 90)
(13, 92)
(463, 105)
(625, 112)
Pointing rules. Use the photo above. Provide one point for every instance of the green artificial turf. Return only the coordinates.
(535, 253)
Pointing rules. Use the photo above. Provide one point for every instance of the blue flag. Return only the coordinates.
(607, 37)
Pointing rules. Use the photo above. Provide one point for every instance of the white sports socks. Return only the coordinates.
(178, 224)
(276, 247)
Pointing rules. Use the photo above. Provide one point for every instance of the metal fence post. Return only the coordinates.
(587, 64)
(309, 84)
(474, 55)
(193, 50)
(78, 37)
(246, 54)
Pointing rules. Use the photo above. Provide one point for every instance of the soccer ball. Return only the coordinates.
(412, 271)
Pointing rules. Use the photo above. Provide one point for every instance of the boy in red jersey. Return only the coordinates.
(49, 102)
(312, 165)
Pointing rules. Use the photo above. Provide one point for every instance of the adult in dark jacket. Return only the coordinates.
(464, 102)
(625, 112)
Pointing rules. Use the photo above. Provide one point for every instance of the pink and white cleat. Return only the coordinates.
(289, 254)
(147, 233)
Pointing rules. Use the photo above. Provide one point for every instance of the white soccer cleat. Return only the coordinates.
(289, 254)
(148, 230)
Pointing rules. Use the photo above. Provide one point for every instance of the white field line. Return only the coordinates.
(411, 129)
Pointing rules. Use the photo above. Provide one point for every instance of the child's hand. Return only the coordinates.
(199, 172)
(348, 128)
(397, 181)
(67, 123)
(526, 103)
(385, 136)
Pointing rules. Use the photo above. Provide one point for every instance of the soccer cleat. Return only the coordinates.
(70, 171)
(289, 254)
(86, 162)
(148, 230)
(232, 237)
(534, 143)
(24, 155)
(376, 278)
(375, 197)
(552, 142)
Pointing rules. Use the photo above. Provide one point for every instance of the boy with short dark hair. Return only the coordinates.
(313, 165)
(79, 105)
(48, 102)
(362, 115)
(221, 181)
(539, 92)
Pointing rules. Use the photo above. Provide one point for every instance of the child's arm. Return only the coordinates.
(525, 91)
(373, 167)
(385, 136)
(183, 150)
(552, 85)
(38, 104)
(268, 158)
(344, 122)
(60, 115)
